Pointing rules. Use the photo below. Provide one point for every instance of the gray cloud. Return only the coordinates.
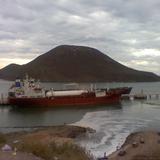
(119, 28)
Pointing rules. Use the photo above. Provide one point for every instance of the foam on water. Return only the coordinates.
(112, 127)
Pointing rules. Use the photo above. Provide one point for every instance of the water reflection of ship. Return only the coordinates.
(30, 93)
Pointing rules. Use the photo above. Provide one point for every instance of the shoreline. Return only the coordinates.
(37, 144)
(45, 143)
(142, 145)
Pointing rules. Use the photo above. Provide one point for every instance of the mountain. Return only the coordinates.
(67, 63)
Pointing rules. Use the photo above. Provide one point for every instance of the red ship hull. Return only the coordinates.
(81, 100)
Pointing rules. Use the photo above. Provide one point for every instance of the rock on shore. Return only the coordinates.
(139, 146)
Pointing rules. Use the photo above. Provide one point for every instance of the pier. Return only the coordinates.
(4, 100)
(151, 96)
(147, 96)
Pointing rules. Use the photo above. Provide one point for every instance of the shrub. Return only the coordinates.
(66, 151)
(2, 138)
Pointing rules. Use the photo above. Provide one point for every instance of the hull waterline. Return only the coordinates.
(65, 101)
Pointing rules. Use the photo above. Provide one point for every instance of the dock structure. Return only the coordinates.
(4, 100)
(155, 96)
(147, 96)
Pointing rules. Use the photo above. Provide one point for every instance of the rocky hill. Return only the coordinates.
(76, 64)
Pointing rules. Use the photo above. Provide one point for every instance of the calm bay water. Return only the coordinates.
(112, 123)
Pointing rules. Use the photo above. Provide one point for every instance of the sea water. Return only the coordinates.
(112, 123)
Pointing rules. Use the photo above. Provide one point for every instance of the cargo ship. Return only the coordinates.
(28, 92)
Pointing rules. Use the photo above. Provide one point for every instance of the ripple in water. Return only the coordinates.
(113, 126)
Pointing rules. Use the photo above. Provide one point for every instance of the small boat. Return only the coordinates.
(122, 90)
(140, 95)
(27, 92)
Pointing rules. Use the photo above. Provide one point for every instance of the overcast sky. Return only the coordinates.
(126, 30)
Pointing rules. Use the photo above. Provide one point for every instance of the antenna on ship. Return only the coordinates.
(95, 87)
(26, 75)
(91, 87)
